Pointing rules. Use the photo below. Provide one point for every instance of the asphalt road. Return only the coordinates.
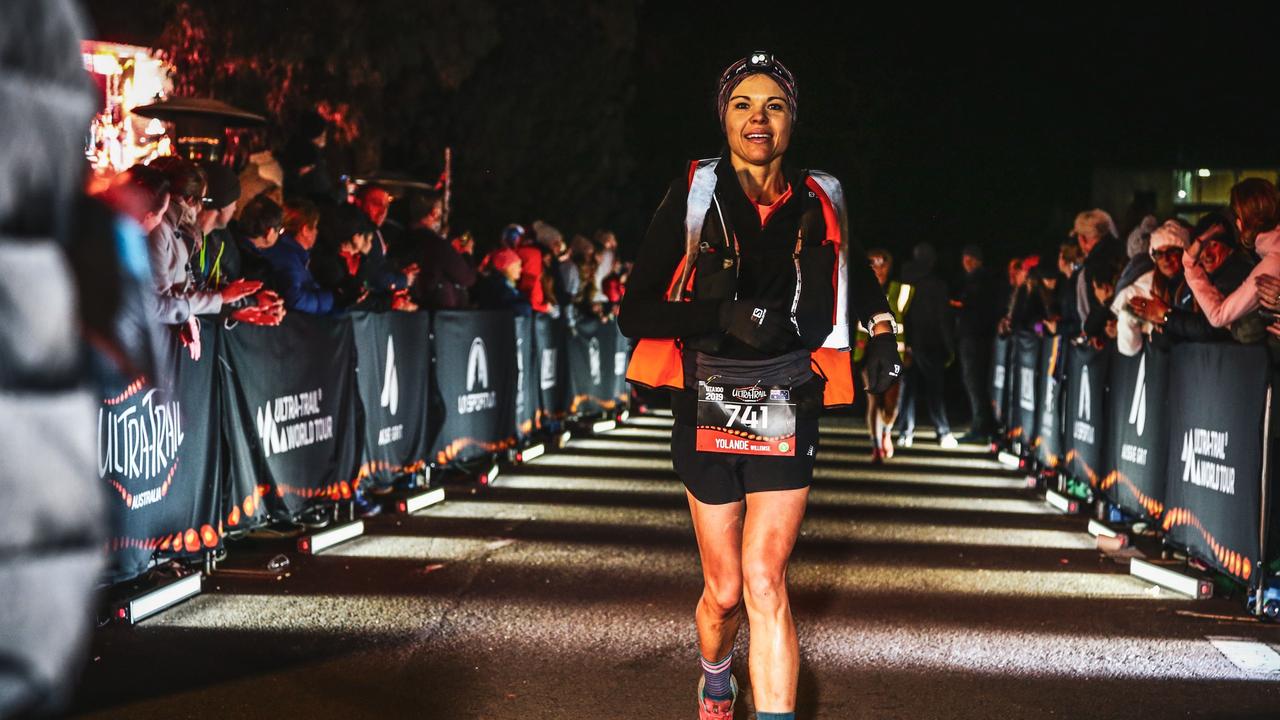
(933, 587)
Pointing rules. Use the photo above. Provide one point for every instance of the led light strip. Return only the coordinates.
(150, 603)
(1192, 587)
(1063, 503)
(531, 453)
(603, 426)
(414, 503)
(1097, 529)
(321, 541)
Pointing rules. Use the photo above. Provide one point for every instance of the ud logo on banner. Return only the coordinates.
(390, 381)
(593, 357)
(478, 396)
(1138, 409)
(1027, 389)
(1083, 430)
(548, 374)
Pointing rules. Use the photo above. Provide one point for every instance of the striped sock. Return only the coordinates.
(718, 676)
(775, 716)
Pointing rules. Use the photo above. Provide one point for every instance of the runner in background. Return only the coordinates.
(882, 409)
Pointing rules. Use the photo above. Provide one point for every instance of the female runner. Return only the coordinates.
(742, 300)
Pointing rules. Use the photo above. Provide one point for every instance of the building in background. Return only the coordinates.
(127, 76)
(1185, 191)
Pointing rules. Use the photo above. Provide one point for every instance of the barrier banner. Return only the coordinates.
(1217, 411)
(1000, 380)
(473, 352)
(1049, 431)
(393, 366)
(1024, 416)
(528, 415)
(291, 423)
(621, 356)
(553, 365)
(593, 380)
(158, 454)
(1084, 428)
(1138, 425)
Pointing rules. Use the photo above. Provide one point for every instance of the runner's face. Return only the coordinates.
(757, 121)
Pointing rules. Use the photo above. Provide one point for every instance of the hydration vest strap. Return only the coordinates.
(702, 190)
(836, 214)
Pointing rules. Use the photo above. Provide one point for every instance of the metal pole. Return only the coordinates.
(448, 186)
(1264, 515)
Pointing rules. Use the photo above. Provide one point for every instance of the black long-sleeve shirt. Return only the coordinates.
(766, 269)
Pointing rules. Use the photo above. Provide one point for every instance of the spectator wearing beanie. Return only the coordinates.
(1166, 246)
(498, 289)
(216, 262)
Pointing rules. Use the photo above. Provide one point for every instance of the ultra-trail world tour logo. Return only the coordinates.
(293, 421)
(140, 442)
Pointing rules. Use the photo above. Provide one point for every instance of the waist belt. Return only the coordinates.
(793, 368)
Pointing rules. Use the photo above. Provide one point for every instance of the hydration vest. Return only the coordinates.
(821, 267)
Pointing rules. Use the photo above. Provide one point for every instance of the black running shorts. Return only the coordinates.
(720, 478)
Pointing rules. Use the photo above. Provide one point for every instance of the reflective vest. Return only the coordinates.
(658, 362)
(899, 295)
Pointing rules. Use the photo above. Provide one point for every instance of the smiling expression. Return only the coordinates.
(757, 120)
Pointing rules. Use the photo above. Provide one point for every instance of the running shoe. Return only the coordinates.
(949, 441)
(905, 440)
(877, 456)
(709, 709)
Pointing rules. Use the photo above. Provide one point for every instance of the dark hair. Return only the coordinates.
(364, 190)
(338, 225)
(299, 213)
(1257, 205)
(1227, 238)
(421, 204)
(187, 180)
(150, 183)
(260, 215)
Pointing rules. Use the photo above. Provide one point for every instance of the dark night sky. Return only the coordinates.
(951, 128)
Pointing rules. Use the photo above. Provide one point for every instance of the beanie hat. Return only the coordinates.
(511, 235)
(1171, 234)
(503, 258)
(759, 62)
(223, 186)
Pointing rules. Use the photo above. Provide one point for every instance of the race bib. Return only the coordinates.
(746, 420)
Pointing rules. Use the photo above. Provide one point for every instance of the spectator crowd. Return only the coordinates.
(1168, 281)
(284, 236)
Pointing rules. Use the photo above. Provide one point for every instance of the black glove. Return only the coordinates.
(764, 329)
(881, 362)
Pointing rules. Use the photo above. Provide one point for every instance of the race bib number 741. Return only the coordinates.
(746, 420)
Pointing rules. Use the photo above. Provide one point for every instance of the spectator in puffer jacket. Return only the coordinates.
(289, 258)
(1158, 284)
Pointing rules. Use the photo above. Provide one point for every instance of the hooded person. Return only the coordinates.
(1136, 246)
(53, 535)
(931, 341)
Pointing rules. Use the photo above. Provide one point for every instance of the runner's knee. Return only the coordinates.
(765, 585)
(723, 597)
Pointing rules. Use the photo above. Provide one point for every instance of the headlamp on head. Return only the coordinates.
(760, 59)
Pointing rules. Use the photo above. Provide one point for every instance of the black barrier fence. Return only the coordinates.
(269, 422)
(1175, 438)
